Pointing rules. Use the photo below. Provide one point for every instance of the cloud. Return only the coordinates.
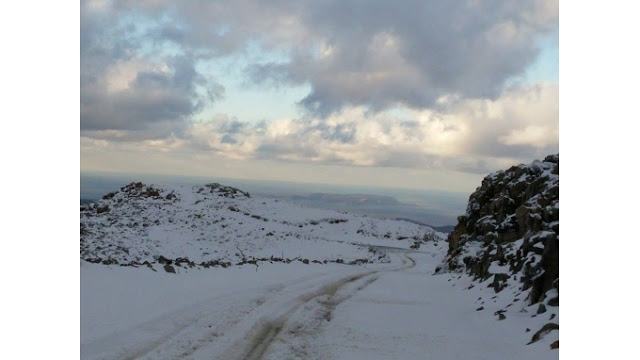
(532, 135)
(410, 84)
(473, 136)
(127, 94)
(372, 53)
(137, 95)
(379, 53)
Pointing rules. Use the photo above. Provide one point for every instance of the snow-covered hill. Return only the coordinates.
(211, 272)
(216, 225)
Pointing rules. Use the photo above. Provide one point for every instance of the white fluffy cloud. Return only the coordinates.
(416, 84)
(473, 135)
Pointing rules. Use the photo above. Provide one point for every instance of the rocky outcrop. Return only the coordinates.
(510, 232)
(222, 190)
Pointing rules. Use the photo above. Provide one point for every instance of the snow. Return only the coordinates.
(407, 315)
(392, 307)
(203, 227)
(496, 268)
(375, 311)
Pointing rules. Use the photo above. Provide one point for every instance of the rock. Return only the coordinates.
(554, 301)
(547, 328)
(226, 191)
(501, 316)
(109, 196)
(102, 209)
(555, 344)
(541, 309)
(499, 282)
(480, 308)
(169, 269)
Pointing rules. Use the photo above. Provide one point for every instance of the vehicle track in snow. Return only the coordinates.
(268, 332)
(322, 302)
(243, 325)
(182, 332)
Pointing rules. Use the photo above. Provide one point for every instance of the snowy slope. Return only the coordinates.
(296, 311)
(259, 278)
(215, 224)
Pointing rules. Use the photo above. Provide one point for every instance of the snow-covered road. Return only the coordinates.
(289, 311)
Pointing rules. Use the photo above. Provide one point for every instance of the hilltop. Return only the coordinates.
(217, 225)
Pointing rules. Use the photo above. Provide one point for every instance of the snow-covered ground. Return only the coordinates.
(374, 311)
(207, 223)
(389, 307)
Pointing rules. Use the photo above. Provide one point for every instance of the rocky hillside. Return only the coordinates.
(216, 225)
(508, 240)
(509, 236)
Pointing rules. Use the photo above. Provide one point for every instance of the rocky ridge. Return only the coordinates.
(509, 235)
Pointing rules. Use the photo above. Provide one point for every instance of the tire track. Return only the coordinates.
(180, 326)
(256, 343)
(194, 331)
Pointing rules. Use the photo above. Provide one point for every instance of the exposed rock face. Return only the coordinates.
(511, 229)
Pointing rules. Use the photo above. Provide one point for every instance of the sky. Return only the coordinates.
(408, 94)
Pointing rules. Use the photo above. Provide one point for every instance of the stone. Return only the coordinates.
(541, 309)
(547, 328)
(102, 209)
